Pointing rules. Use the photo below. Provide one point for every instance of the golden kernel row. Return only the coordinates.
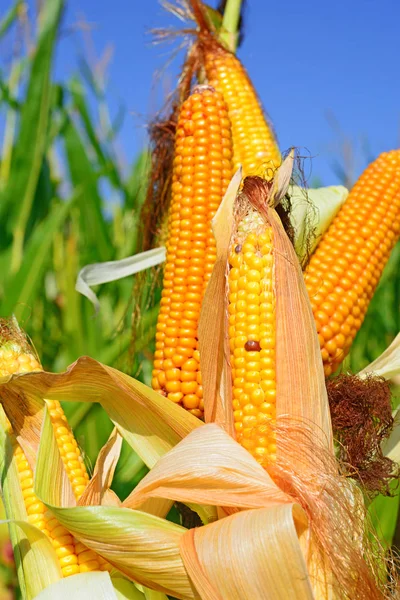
(252, 338)
(345, 269)
(202, 170)
(254, 143)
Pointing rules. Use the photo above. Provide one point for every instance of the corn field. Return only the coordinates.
(199, 379)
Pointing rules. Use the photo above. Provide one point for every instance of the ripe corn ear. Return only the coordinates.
(252, 335)
(73, 557)
(202, 170)
(345, 269)
(254, 143)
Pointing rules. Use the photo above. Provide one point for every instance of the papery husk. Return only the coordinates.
(35, 558)
(267, 562)
(150, 423)
(300, 381)
(212, 330)
(98, 490)
(221, 472)
(207, 466)
(141, 546)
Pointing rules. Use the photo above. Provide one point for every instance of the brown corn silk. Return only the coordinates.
(201, 173)
(17, 358)
(254, 142)
(345, 269)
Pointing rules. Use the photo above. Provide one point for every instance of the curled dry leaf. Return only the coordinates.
(98, 491)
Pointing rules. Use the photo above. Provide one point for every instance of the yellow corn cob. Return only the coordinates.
(201, 173)
(254, 143)
(345, 269)
(73, 556)
(252, 336)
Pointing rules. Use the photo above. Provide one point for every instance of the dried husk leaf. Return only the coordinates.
(209, 467)
(266, 563)
(150, 423)
(213, 341)
(125, 538)
(98, 490)
(281, 180)
(300, 381)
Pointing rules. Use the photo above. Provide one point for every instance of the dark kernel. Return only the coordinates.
(252, 346)
(238, 248)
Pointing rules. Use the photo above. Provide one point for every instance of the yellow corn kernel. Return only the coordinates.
(345, 269)
(254, 143)
(252, 332)
(202, 170)
(69, 450)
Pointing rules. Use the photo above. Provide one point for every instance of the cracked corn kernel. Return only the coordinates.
(202, 170)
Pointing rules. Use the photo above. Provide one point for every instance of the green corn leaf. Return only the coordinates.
(81, 170)
(106, 161)
(9, 18)
(21, 287)
(31, 142)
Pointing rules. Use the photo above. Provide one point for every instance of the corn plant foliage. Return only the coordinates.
(57, 158)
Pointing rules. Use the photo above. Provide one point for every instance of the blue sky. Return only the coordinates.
(308, 60)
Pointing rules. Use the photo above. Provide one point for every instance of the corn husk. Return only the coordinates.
(213, 341)
(299, 371)
(387, 365)
(312, 211)
(80, 587)
(98, 491)
(39, 567)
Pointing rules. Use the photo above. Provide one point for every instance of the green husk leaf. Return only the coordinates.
(36, 561)
(387, 365)
(126, 590)
(326, 202)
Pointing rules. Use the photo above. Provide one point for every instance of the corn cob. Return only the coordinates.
(254, 143)
(345, 269)
(73, 557)
(201, 173)
(252, 335)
